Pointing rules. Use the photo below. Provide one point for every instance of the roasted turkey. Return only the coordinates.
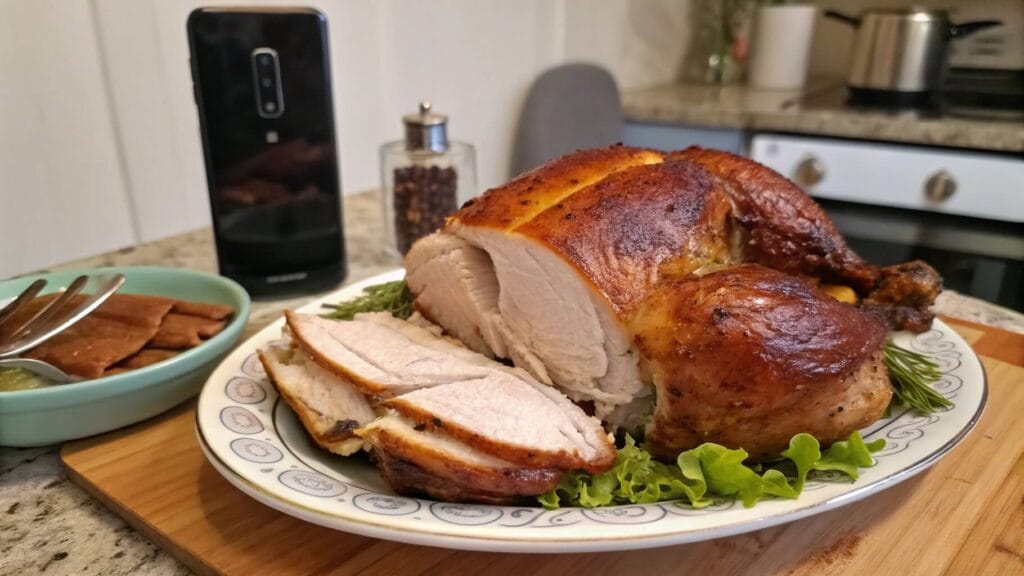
(683, 285)
(684, 296)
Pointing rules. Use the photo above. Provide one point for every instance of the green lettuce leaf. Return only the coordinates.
(707, 472)
(848, 456)
(726, 475)
(776, 484)
(804, 451)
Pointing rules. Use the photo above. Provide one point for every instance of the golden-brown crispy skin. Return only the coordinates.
(637, 227)
(406, 478)
(416, 469)
(747, 357)
(521, 456)
(904, 296)
(786, 229)
(516, 202)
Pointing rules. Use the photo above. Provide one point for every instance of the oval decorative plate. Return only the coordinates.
(258, 444)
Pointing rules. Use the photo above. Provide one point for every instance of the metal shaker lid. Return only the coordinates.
(426, 130)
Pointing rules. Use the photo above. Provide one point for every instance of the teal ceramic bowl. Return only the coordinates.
(57, 413)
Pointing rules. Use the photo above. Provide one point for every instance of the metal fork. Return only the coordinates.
(55, 317)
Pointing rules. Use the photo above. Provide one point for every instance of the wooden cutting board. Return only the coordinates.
(963, 516)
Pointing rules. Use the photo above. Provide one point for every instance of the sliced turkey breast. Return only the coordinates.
(571, 274)
(383, 356)
(496, 409)
(418, 461)
(509, 415)
(329, 407)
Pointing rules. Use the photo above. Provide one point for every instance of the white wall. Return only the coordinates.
(474, 59)
(642, 42)
(62, 194)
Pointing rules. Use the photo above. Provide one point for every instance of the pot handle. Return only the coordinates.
(851, 20)
(967, 28)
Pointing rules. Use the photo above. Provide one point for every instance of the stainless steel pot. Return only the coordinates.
(901, 52)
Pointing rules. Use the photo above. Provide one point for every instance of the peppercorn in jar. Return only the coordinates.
(425, 179)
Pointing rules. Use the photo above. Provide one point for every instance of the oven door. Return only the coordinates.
(962, 212)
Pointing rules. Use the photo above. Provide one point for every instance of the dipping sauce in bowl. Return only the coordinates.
(12, 379)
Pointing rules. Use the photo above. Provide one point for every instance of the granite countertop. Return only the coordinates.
(818, 110)
(49, 525)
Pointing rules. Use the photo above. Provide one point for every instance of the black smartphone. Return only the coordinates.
(262, 84)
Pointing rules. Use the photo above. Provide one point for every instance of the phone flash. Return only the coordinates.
(271, 136)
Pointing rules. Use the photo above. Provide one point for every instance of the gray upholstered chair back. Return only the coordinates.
(568, 107)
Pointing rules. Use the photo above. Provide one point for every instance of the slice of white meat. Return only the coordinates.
(571, 336)
(329, 407)
(511, 416)
(383, 356)
(494, 408)
(456, 287)
(415, 461)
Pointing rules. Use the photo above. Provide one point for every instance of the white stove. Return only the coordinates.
(961, 211)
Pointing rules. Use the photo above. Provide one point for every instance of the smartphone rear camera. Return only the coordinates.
(267, 79)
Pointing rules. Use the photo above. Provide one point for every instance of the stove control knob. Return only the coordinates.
(940, 186)
(809, 172)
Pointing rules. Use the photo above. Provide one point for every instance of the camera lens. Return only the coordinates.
(267, 83)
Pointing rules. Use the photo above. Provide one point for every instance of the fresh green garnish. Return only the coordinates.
(393, 297)
(912, 374)
(708, 472)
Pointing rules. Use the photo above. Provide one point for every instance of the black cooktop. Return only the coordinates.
(967, 94)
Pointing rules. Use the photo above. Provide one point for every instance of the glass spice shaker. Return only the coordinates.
(425, 179)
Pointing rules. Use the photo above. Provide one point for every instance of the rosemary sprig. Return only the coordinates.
(911, 374)
(393, 297)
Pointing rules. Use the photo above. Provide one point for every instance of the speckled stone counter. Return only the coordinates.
(48, 525)
(820, 110)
